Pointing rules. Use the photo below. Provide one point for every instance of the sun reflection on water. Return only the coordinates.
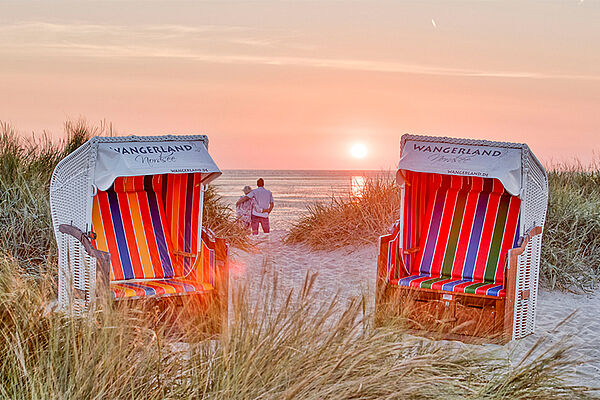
(357, 186)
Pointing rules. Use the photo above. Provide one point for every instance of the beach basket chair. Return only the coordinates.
(462, 260)
(127, 215)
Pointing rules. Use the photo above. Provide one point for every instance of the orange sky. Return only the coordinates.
(283, 84)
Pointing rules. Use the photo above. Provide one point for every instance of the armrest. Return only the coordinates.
(511, 261)
(517, 251)
(102, 257)
(510, 277)
(412, 250)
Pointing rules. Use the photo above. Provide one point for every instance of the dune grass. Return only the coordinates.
(349, 220)
(571, 243)
(26, 166)
(279, 346)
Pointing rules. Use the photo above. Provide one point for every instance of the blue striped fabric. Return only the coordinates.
(115, 213)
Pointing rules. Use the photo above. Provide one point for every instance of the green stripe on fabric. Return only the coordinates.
(429, 282)
(473, 287)
(459, 212)
(494, 255)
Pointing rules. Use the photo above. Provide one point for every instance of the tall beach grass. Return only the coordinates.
(280, 346)
(571, 242)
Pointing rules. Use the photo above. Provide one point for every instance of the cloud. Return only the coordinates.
(40, 33)
(238, 45)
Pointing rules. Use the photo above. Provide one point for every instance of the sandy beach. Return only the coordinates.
(351, 272)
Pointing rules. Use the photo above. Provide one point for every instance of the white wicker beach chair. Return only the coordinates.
(127, 215)
(462, 261)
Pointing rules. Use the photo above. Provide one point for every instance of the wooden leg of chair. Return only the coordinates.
(222, 289)
(103, 280)
(510, 287)
(381, 283)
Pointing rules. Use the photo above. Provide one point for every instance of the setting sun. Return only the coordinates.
(358, 150)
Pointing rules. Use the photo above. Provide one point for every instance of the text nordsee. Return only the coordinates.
(456, 150)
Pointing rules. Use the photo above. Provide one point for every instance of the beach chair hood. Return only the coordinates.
(136, 158)
(485, 159)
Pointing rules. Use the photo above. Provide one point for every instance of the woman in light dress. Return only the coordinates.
(244, 210)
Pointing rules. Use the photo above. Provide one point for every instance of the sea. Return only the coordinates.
(293, 190)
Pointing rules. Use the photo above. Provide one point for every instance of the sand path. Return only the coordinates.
(351, 272)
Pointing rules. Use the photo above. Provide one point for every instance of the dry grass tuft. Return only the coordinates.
(350, 220)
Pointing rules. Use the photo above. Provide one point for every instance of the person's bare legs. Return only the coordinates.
(254, 221)
(264, 223)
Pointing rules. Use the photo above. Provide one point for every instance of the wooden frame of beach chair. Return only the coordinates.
(462, 261)
(127, 215)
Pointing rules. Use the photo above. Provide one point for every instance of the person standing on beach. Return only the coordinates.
(244, 210)
(262, 207)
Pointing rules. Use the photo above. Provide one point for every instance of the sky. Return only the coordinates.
(296, 84)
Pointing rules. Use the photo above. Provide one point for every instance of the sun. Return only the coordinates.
(358, 150)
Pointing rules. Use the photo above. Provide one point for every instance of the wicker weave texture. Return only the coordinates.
(533, 213)
(70, 190)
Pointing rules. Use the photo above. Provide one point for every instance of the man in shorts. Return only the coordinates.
(263, 205)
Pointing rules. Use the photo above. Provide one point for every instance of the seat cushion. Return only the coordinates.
(452, 285)
(157, 288)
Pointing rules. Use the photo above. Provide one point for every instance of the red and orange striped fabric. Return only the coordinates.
(130, 222)
(464, 227)
(182, 209)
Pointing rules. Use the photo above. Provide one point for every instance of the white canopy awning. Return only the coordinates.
(150, 158)
(487, 161)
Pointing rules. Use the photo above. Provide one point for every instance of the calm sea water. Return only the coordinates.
(292, 190)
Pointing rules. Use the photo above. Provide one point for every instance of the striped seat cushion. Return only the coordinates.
(463, 226)
(157, 288)
(453, 285)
